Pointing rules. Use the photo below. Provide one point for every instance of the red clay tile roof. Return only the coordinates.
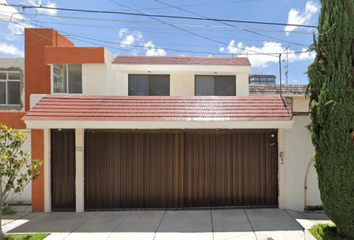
(159, 60)
(124, 108)
(261, 89)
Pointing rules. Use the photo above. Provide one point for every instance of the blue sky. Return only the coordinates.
(133, 35)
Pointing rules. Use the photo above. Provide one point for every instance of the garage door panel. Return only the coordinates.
(180, 170)
(239, 164)
(134, 170)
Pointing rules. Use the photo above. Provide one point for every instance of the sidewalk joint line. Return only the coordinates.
(254, 232)
(118, 225)
(159, 225)
(80, 224)
(212, 224)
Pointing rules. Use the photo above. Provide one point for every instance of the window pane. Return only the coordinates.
(13, 93)
(2, 93)
(204, 86)
(160, 85)
(138, 85)
(2, 75)
(14, 75)
(225, 86)
(289, 101)
(75, 78)
(59, 78)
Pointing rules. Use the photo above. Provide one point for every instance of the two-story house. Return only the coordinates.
(132, 132)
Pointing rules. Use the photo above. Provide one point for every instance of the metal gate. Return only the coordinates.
(157, 170)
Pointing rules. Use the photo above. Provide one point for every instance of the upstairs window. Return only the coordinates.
(67, 78)
(215, 86)
(289, 101)
(10, 88)
(149, 85)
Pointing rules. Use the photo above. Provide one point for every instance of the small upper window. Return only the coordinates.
(67, 78)
(289, 101)
(215, 86)
(149, 85)
(10, 88)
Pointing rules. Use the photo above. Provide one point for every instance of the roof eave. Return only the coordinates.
(272, 124)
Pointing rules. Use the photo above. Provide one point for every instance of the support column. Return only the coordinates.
(47, 172)
(281, 168)
(79, 176)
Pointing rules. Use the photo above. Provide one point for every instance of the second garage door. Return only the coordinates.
(152, 170)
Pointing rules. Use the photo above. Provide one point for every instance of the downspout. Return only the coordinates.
(305, 183)
(280, 90)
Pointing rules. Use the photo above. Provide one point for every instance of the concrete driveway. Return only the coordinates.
(253, 224)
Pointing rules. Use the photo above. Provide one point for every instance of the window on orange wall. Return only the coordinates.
(10, 87)
(67, 78)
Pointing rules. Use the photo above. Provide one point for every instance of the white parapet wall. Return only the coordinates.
(299, 151)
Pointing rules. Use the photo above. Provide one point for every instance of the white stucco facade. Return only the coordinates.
(298, 153)
(295, 149)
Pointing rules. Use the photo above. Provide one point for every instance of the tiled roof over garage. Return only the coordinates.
(123, 108)
(163, 60)
(260, 89)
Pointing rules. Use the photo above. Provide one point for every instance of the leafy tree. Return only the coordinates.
(12, 161)
(331, 91)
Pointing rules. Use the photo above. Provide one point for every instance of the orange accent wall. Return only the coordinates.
(37, 72)
(74, 55)
(13, 119)
(37, 139)
(37, 81)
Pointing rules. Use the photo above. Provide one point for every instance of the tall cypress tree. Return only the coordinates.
(331, 91)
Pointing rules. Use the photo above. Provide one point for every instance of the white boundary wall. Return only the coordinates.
(298, 152)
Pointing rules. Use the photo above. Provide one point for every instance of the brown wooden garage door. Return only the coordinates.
(180, 169)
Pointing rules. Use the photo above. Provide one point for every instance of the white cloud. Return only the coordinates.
(11, 14)
(263, 56)
(305, 55)
(9, 49)
(221, 49)
(52, 12)
(231, 48)
(151, 50)
(128, 38)
(297, 16)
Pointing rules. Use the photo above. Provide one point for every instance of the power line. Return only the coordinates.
(205, 4)
(216, 27)
(228, 24)
(159, 15)
(125, 50)
(192, 33)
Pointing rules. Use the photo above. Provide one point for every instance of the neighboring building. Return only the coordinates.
(262, 79)
(12, 106)
(155, 132)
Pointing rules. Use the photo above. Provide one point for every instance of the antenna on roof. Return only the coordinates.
(287, 66)
(280, 75)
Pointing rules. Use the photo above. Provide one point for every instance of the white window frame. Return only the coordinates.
(6, 88)
(67, 80)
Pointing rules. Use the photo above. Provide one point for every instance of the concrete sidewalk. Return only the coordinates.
(252, 224)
